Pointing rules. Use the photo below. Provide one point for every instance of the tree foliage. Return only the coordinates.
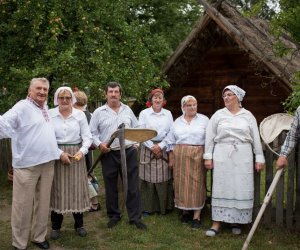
(86, 43)
(283, 20)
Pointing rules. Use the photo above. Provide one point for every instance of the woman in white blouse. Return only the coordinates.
(155, 175)
(69, 192)
(187, 136)
(231, 139)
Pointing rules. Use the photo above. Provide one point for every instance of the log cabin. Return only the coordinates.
(225, 48)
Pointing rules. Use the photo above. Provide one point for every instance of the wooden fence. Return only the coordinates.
(5, 155)
(283, 210)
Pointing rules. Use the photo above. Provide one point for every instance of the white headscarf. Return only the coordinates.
(240, 93)
(60, 89)
(185, 99)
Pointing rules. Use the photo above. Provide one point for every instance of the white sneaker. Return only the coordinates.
(236, 230)
(211, 232)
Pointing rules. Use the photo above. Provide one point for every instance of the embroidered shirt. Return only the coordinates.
(32, 136)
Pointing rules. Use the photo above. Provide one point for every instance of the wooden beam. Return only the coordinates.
(241, 40)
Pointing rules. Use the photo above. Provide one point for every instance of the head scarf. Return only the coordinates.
(153, 92)
(185, 99)
(240, 93)
(62, 89)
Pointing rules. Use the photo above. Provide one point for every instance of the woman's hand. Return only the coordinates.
(65, 158)
(78, 156)
(156, 149)
(259, 166)
(171, 160)
(209, 164)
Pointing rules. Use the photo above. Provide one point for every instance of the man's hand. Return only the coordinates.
(65, 158)
(281, 162)
(103, 148)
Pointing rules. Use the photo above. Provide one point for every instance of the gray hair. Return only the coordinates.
(39, 79)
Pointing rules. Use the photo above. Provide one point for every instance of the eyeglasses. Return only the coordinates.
(67, 98)
(228, 95)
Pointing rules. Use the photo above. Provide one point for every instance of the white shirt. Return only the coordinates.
(73, 130)
(161, 122)
(225, 127)
(184, 133)
(105, 121)
(32, 137)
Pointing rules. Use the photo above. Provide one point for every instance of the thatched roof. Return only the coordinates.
(251, 35)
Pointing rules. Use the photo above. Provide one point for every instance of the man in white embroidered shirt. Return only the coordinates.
(104, 122)
(34, 149)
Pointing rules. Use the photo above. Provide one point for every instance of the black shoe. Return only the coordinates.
(196, 224)
(42, 245)
(185, 218)
(55, 234)
(139, 225)
(112, 223)
(81, 231)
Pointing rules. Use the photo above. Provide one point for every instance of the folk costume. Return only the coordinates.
(231, 140)
(187, 140)
(69, 192)
(155, 175)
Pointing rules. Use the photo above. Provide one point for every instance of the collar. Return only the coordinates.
(161, 112)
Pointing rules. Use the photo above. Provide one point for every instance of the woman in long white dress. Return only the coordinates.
(231, 139)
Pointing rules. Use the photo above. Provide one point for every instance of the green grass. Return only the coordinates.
(164, 232)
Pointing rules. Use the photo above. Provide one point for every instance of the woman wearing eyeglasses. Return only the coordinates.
(69, 192)
(231, 139)
(186, 139)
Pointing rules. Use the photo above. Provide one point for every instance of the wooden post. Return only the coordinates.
(297, 205)
(268, 181)
(290, 191)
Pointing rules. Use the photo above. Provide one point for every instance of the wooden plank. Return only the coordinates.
(256, 206)
(280, 200)
(280, 187)
(290, 191)
(297, 204)
(268, 181)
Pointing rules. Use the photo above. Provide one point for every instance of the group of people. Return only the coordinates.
(50, 172)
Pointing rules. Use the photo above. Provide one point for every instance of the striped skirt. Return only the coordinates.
(189, 177)
(153, 170)
(69, 193)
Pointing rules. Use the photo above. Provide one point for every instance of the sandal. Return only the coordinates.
(211, 232)
(95, 209)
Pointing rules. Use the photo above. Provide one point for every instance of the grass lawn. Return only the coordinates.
(164, 232)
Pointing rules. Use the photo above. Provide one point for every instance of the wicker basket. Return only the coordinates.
(10, 175)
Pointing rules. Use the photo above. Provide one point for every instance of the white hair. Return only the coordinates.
(39, 79)
(185, 99)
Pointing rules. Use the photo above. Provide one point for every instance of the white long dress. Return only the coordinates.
(231, 140)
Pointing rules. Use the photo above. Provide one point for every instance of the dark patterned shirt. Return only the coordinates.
(292, 136)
